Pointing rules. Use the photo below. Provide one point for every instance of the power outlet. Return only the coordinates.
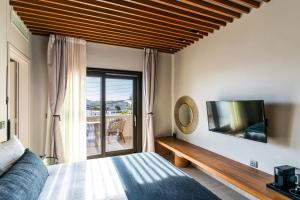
(2, 125)
(253, 163)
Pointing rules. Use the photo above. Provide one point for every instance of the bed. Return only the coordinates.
(140, 176)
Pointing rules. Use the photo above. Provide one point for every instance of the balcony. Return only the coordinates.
(118, 133)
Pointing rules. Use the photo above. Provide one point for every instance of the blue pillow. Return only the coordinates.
(25, 179)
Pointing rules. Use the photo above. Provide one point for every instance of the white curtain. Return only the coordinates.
(74, 108)
(149, 69)
(57, 81)
(71, 116)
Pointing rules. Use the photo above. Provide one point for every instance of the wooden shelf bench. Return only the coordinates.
(248, 179)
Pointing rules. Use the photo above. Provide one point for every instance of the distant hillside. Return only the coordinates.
(110, 105)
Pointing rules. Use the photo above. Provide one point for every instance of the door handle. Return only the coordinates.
(134, 119)
(8, 129)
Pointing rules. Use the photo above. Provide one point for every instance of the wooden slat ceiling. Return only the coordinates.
(167, 25)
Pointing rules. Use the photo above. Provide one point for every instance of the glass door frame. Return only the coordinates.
(136, 77)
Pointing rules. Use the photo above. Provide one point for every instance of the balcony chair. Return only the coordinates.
(116, 126)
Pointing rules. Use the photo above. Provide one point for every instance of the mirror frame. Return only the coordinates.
(193, 124)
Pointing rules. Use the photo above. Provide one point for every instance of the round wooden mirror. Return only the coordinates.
(186, 114)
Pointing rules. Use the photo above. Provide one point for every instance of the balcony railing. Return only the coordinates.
(114, 140)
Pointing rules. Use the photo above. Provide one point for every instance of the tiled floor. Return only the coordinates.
(221, 190)
(111, 145)
(218, 188)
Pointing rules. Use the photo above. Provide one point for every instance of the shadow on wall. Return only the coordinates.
(280, 122)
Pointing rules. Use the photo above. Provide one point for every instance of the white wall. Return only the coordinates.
(256, 57)
(98, 56)
(3, 63)
(8, 34)
(39, 93)
(162, 107)
(114, 57)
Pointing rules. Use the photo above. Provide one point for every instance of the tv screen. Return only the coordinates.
(244, 119)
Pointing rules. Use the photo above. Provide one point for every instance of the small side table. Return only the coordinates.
(50, 161)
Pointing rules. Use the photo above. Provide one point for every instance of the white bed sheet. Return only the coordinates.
(93, 179)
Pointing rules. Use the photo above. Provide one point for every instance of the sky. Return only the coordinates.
(116, 89)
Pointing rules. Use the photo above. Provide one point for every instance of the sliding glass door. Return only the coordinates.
(113, 112)
(119, 114)
(93, 115)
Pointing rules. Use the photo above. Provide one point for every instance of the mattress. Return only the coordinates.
(141, 176)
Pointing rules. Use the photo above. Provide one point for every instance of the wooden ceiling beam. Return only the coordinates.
(196, 9)
(41, 8)
(101, 34)
(46, 11)
(177, 11)
(37, 32)
(125, 8)
(104, 31)
(147, 12)
(213, 7)
(230, 5)
(250, 3)
(100, 39)
(113, 12)
(166, 25)
(104, 24)
(88, 35)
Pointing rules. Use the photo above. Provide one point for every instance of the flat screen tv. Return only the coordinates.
(243, 119)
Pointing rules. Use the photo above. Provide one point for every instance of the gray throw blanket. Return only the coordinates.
(148, 176)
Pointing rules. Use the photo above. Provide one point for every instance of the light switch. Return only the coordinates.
(2, 125)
